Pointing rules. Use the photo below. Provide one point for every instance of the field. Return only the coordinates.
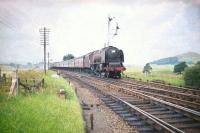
(164, 73)
(42, 111)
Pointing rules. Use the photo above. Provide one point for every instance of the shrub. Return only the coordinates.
(180, 67)
(192, 76)
(147, 69)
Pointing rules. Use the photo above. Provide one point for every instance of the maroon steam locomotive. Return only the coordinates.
(106, 62)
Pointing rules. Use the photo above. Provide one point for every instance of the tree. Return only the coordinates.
(12, 64)
(68, 57)
(192, 75)
(198, 62)
(29, 64)
(147, 69)
(180, 67)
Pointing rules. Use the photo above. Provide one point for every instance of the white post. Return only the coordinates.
(109, 22)
(17, 84)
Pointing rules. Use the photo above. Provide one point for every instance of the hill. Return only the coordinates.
(189, 58)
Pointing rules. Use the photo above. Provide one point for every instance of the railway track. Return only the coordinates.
(164, 86)
(189, 98)
(144, 112)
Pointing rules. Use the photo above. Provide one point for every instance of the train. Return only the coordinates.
(106, 62)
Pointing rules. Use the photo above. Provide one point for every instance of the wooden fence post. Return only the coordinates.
(91, 121)
(43, 82)
(76, 90)
(34, 82)
(18, 84)
(4, 78)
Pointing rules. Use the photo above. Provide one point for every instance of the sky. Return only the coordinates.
(149, 30)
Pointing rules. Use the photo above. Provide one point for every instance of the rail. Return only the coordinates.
(192, 112)
(161, 125)
(105, 86)
(183, 89)
(158, 121)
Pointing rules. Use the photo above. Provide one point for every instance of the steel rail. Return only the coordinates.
(161, 122)
(174, 93)
(176, 100)
(187, 110)
(95, 82)
(183, 89)
(193, 112)
(164, 125)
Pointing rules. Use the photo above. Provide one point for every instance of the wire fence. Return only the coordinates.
(30, 85)
(10, 81)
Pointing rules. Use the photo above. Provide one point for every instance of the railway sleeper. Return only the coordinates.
(139, 102)
(162, 112)
(146, 129)
(180, 120)
(106, 99)
(115, 106)
(150, 106)
(130, 119)
(118, 109)
(139, 124)
(112, 104)
(190, 125)
(109, 102)
(169, 116)
(142, 106)
(126, 115)
(156, 109)
(122, 112)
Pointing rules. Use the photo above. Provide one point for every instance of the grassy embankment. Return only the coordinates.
(42, 111)
(164, 73)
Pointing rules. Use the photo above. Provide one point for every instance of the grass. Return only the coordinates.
(164, 73)
(41, 111)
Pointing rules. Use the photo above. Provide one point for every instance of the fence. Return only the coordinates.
(16, 84)
(29, 85)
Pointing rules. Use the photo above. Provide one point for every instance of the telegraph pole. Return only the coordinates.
(44, 40)
(48, 60)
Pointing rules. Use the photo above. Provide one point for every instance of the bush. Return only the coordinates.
(180, 67)
(192, 76)
(147, 69)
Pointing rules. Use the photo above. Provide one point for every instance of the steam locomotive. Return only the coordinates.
(106, 62)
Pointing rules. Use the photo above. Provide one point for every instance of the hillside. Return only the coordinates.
(189, 57)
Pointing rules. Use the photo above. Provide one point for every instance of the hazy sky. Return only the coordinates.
(148, 30)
